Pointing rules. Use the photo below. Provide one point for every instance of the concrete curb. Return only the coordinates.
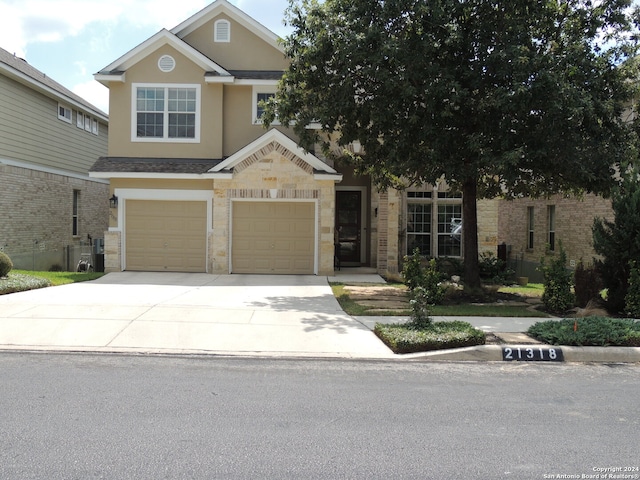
(493, 353)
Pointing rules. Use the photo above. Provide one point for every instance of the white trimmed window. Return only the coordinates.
(222, 31)
(87, 123)
(80, 120)
(94, 126)
(434, 223)
(64, 113)
(166, 113)
(261, 93)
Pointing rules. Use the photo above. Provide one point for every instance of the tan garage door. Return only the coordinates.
(165, 236)
(273, 237)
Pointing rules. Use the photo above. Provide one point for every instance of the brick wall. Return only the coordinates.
(36, 214)
(574, 218)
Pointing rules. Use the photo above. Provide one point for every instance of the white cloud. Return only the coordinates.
(54, 20)
(94, 93)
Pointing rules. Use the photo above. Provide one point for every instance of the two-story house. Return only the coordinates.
(49, 138)
(201, 186)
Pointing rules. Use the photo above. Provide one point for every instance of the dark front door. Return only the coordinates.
(348, 223)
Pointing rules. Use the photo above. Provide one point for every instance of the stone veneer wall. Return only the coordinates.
(388, 222)
(574, 218)
(37, 206)
(256, 178)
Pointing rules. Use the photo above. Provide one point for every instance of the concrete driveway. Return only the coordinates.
(288, 315)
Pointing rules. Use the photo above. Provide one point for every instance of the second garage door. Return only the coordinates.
(273, 237)
(166, 236)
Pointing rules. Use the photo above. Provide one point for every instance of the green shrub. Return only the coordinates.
(420, 306)
(427, 277)
(632, 299)
(448, 267)
(5, 264)
(412, 269)
(494, 270)
(557, 296)
(618, 241)
(588, 331)
(587, 284)
(411, 338)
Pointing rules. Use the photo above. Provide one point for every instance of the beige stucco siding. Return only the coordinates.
(31, 131)
(147, 72)
(245, 51)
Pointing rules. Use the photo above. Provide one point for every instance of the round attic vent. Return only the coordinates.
(166, 63)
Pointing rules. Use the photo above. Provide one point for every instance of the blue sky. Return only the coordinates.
(70, 40)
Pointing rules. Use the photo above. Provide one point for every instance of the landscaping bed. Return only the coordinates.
(413, 337)
(588, 331)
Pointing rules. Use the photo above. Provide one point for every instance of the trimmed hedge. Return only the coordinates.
(588, 331)
(411, 337)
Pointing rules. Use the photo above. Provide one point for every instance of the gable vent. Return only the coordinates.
(222, 31)
(166, 63)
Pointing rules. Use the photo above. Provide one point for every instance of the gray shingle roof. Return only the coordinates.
(154, 165)
(257, 74)
(22, 66)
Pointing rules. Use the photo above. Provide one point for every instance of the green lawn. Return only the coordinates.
(469, 310)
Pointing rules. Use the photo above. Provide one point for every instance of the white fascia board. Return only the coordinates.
(40, 168)
(248, 81)
(219, 79)
(105, 78)
(172, 176)
(164, 37)
(223, 6)
(50, 92)
(336, 177)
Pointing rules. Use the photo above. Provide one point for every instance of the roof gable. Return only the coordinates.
(270, 141)
(163, 37)
(224, 7)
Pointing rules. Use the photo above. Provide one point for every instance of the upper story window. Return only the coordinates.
(222, 31)
(64, 113)
(85, 122)
(166, 113)
(261, 94)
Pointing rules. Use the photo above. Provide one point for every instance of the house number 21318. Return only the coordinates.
(532, 354)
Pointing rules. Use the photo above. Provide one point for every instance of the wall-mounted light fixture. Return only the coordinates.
(113, 201)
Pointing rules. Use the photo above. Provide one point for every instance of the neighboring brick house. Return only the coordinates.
(49, 138)
(533, 229)
(203, 187)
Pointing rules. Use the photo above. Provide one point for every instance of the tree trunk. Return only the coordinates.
(470, 235)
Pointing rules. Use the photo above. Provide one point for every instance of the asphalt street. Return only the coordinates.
(150, 417)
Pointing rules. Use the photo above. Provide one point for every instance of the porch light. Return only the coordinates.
(357, 146)
(113, 201)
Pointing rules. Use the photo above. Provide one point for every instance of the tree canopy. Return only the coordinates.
(501, 98)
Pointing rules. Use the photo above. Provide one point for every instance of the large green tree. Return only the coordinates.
(500, 97)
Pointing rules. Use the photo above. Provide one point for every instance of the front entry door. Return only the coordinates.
(348, 226)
